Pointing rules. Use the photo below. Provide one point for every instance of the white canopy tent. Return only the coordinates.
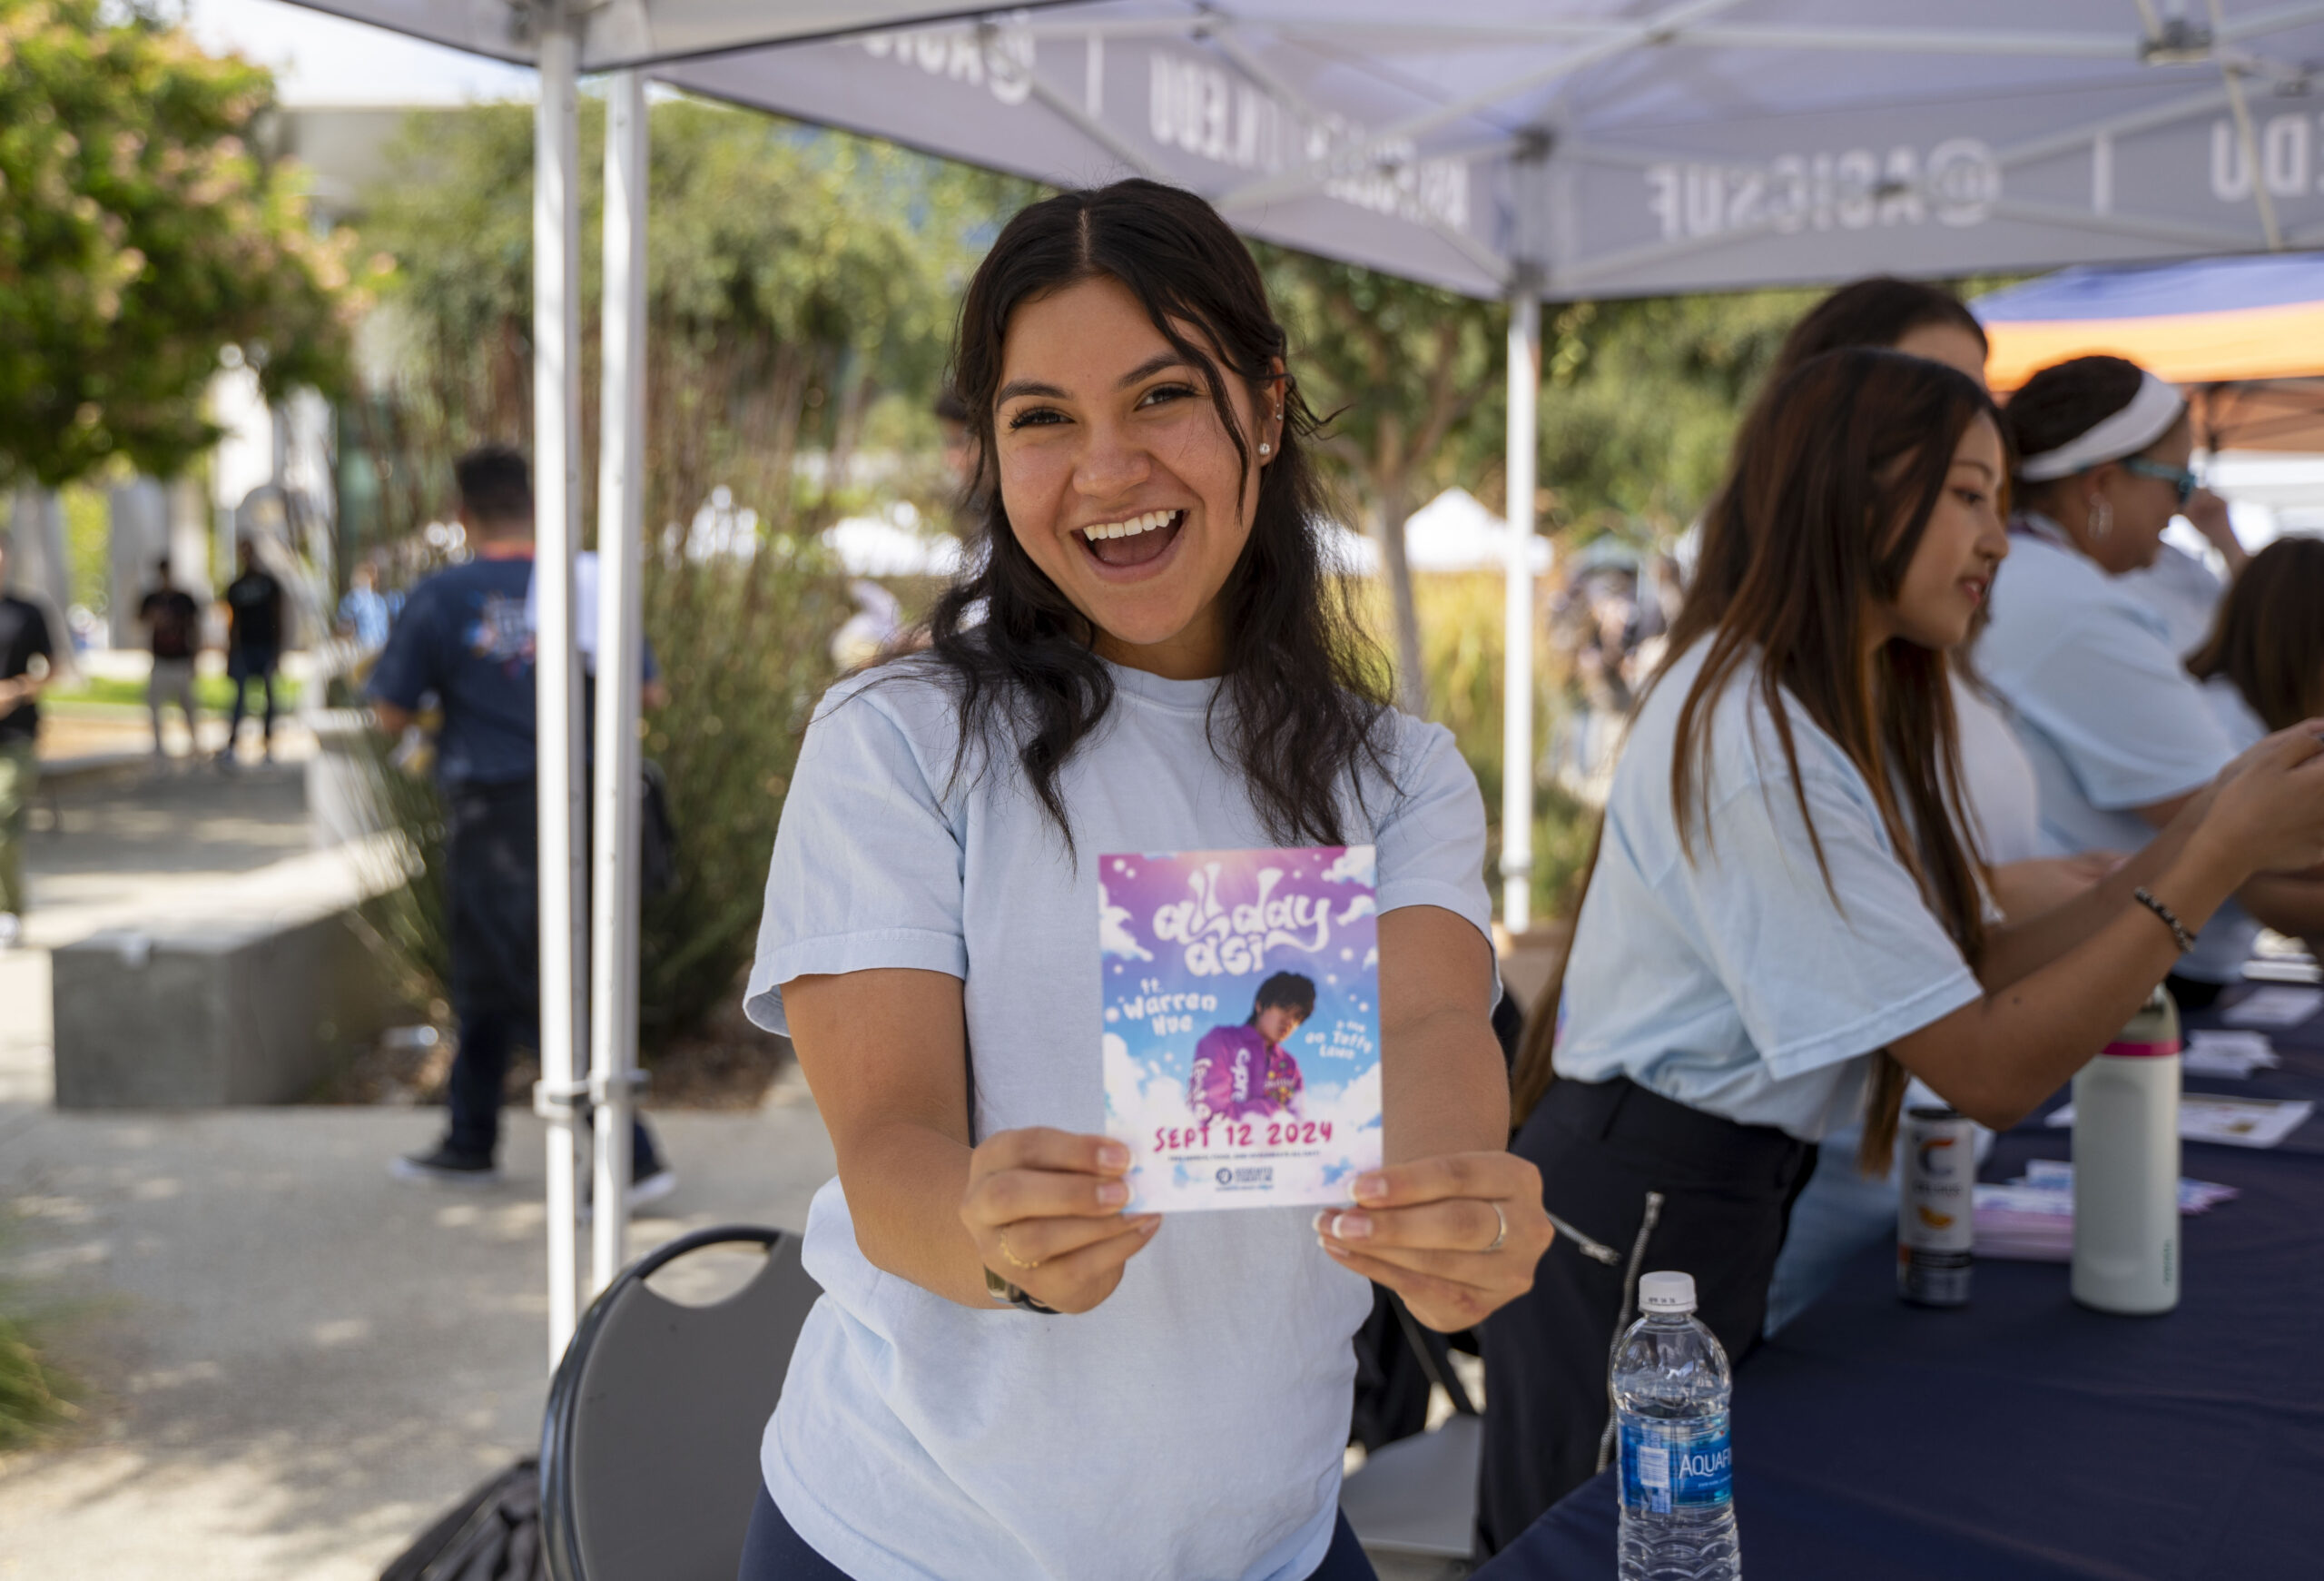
(1516, 149)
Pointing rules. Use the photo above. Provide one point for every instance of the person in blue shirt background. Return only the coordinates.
(365, 614)
(466, 637)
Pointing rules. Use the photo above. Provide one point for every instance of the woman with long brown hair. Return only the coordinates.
(1784, 914)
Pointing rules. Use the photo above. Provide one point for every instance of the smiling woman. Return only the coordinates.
(1008, 1376)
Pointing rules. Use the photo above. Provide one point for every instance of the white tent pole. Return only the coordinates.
(621, 501)
(1517, 681)
(557, 443)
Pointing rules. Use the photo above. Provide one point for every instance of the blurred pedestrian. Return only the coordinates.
(26, 655)
(253, 645)
(465, 638)
(365, 613)
(172, 623)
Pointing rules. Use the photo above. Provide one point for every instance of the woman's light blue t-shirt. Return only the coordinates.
(1735, 981)
(1191, 1426)
(2102, 702)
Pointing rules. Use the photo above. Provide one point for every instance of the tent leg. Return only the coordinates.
(621, 497)
(1517, 683)
(557, 433)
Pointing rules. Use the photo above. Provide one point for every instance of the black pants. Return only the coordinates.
(1727, 1193)
(244, 665)
(493, 880)
(773, 1552)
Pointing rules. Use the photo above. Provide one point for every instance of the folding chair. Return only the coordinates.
(650, 1451)
(1419, 1494)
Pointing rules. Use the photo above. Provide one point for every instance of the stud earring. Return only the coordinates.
(1265, 449)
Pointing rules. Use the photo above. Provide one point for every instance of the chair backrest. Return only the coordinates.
(650, 1451)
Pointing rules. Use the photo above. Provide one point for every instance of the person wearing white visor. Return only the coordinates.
(2120, 735)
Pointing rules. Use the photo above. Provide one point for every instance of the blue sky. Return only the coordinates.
(319, 59)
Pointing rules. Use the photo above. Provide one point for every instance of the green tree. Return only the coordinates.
(796, 281)
(1640, 401)
(1403, 371)
(142, 233)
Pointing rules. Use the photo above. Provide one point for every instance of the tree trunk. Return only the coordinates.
(1411, 677)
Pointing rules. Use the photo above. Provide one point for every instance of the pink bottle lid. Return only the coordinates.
(2141, 1051)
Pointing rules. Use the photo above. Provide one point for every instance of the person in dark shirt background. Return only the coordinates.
(173, 625)
(465, 636)
(253, 643)
(27, 653)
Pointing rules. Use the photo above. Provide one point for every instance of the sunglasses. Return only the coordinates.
(2179, 478)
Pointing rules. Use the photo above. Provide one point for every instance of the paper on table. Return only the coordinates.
(2276, 1007)
(2031, 1220)
(2234, 1122)
(2056, 1176)
(2213, 1052)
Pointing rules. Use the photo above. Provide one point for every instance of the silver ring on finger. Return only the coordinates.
(1499, 1235)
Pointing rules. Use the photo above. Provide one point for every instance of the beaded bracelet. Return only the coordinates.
(2178, 933)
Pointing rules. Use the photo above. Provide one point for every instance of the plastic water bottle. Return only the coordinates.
(2126, 1167)
(1670, 1391)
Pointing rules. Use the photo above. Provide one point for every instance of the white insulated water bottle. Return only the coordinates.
(2126, 1167)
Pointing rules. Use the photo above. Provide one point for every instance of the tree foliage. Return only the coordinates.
(1401, 370)
(798, 285)
(1640, 402)
(794, 280)
(143, 235)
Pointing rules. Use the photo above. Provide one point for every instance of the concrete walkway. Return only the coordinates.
(290, 1362)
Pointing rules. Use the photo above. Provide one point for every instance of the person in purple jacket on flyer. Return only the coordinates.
(1242, 1071)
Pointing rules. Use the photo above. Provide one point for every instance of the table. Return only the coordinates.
(2023, 1438)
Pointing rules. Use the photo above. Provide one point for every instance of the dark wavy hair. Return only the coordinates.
(1301, 708)
(2064, 401)
(1834, 477)
(1877, 311)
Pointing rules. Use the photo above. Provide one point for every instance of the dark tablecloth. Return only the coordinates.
(2025, 1439)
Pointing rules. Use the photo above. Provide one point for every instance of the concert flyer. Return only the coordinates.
(1241, 1034)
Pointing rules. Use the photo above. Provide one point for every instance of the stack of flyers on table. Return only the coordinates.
(2031, 1219)
(1242, 1023)
(2274, 1007)
(2235, 1055)
(2231, 1122)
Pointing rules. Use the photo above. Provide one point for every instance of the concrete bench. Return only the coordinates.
(257, 999)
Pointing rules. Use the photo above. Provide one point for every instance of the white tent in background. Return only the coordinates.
(1518, 149)
(1452, 532)
(891, 544)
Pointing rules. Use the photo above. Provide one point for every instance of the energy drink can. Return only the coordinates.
(1936, 1230)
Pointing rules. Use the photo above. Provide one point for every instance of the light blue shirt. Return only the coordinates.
(1191, 1426)
(2100, 698)
(2182, 590)
(1735, 981)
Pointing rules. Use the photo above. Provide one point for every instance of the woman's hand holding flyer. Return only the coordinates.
(1045, 1207)
(1456, 1236)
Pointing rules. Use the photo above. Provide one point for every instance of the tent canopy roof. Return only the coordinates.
(2212, 321)
(1574, 147)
